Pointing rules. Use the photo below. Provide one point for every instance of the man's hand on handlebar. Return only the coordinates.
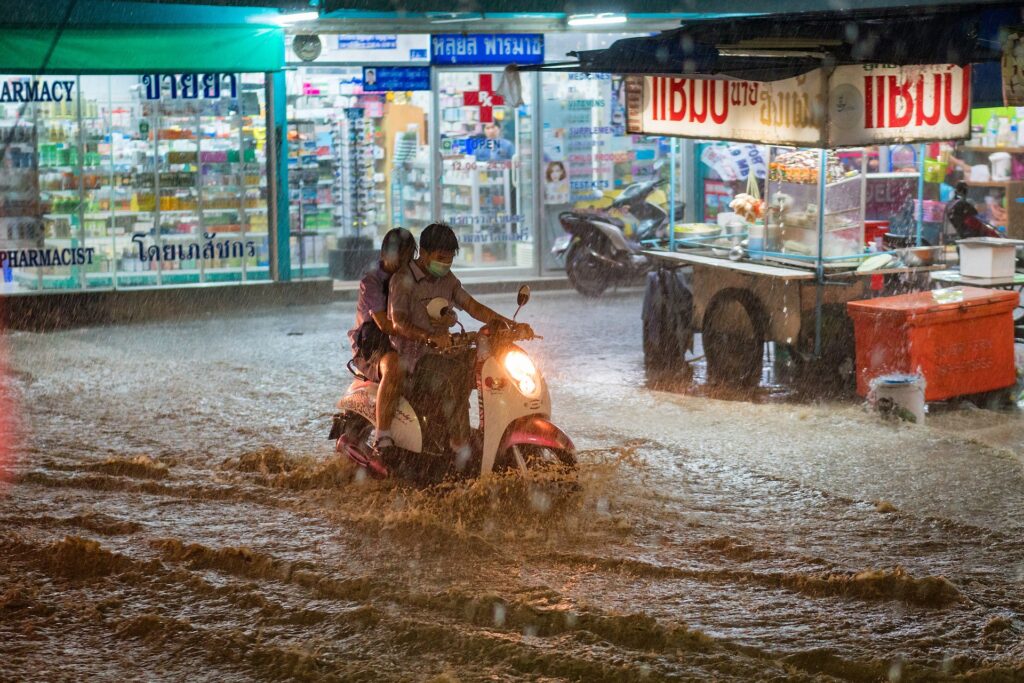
(523, 330)
(441, 341)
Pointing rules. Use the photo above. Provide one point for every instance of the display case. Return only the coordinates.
(804, 216)
(358, 165)
(156, 188)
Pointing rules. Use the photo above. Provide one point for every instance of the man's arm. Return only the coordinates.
(476, 309)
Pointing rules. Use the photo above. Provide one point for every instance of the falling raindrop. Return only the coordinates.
(540, 501)
(602, 506)
(896, 671)
(530, 630)
(499, 615)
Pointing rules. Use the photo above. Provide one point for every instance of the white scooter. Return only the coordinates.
(515, 430)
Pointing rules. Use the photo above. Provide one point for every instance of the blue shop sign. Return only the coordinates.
(395, 78)
(487, 48)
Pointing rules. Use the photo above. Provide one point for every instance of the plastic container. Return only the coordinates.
(905, 392)
(1000, 162)
(987, 257)
(935, 170)
(960, 340)
(875, 230)
(933, 210)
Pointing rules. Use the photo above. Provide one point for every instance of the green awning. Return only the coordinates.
(150, 49)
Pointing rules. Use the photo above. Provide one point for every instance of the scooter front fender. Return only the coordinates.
(535, 430)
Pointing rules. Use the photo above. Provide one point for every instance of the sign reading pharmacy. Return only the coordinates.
(25, 90)
(487, 48)
(852, 105)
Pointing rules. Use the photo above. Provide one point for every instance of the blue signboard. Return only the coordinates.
(395, 78)
(371, 42)
(487, 48)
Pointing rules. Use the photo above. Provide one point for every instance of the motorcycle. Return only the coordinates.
(962, 216)
(601, 250)
(515, 431)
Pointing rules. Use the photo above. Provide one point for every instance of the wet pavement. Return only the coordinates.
(173, 511)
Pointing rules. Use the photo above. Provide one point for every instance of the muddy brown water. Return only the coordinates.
(173, 512)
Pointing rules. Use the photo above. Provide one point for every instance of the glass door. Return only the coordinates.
(485, 145)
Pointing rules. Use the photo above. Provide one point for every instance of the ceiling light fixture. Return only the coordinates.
(296, 18)
(602, 19)
(453, 17)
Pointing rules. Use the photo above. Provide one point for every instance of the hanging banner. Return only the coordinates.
(856, 105)
(487, 48)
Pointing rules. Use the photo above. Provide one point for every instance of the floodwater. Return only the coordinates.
(173, 511)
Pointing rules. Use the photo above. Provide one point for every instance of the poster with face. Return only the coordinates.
(556, 183)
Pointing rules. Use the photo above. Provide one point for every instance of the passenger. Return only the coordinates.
(373, 356)
(447, 377)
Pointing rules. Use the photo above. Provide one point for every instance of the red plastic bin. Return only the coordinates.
(962, 347)
(874, 229)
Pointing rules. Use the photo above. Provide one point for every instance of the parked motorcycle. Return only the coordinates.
(601, 250)
(515, 432)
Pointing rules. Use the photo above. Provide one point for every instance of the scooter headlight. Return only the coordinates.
(522, 370)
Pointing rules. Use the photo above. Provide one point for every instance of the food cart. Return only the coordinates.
(785, 273)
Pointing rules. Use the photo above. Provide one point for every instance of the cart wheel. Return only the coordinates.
(733, 335)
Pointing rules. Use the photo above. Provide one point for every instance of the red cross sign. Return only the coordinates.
(484, 98)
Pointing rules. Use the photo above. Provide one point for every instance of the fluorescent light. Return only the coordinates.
(602, 19)
(296, 18)
(453, 17)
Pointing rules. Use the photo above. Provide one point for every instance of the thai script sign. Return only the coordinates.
(371, 42)
(211, 249)
(189, 86)
(870, 104)
(25, 90)
(855, 105)
(790, 111)
(488, 48)
(395, 78)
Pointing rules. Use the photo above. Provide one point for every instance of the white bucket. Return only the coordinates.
(906, 392)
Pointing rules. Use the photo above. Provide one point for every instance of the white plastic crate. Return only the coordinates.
(987, 257)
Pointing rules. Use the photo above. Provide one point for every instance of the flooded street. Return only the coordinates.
(172, 506)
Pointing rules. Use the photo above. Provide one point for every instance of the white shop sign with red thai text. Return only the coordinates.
(856, 105)
(870, 105)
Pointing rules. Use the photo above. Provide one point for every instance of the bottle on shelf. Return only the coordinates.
(991, 131)
(1004, 138)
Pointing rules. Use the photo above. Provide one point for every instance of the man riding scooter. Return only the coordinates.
(428, 286)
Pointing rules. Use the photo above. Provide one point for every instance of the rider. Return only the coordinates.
(373, 356)
(419, 336)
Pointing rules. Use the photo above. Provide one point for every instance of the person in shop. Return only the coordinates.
(494, 146)
(419, 337)
(373, 355)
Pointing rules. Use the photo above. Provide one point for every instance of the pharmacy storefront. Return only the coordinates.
(402, 130)
(138, 159)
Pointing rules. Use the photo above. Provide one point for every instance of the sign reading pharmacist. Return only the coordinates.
(854, 105)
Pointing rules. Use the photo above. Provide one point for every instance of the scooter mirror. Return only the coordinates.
(524, 295)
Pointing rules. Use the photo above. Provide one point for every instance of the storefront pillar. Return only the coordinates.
(277, 177)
